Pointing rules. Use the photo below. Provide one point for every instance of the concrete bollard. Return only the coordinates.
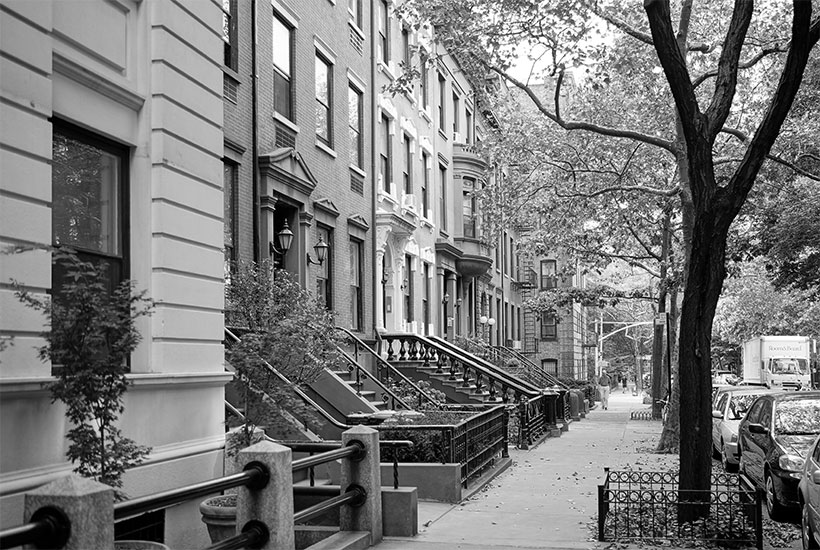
(87, 504)
(367, 474)
(272, 505)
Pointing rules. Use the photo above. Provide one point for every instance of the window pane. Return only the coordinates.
(281, 94)
(85, 187)
(281, 46)
(321, 81)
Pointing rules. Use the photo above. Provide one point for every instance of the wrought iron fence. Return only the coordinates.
(473, 443)
(635, 505)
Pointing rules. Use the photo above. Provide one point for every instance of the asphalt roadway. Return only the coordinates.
(548, 497)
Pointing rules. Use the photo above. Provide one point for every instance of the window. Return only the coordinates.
(282, 68)
(406, 53)
(548, 275)
(469, 127)
(424, 83)
(549, 326)
(442, 95)
(386, 155)
(356, 289)
(425, 183)
(425, 299)
(354, 114)
(324, 271)
(469, 208)
(384, 33)
(550, 365)
(407, 288)
(89, 212)
(324, 100)
(442, 177)
(229, 33)
(407, 174)
(230, 203)
(456, 112)
(354, 10)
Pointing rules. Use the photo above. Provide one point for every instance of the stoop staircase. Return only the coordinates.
(464, 378)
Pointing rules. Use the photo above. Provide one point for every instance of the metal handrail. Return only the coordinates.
(521, 357)
(255, 476)
(378, 382)
(355, 496)
(305, 397)
(48, 528)
(513, 381)
(355, 450)
(383, 362)
(255, 534)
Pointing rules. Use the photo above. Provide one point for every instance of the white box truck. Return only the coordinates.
(777, 362)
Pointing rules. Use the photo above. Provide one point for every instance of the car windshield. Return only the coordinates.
(790, 366)
(797, 417)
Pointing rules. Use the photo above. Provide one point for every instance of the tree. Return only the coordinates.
(287, 340)
(718, 149)
(92, 333)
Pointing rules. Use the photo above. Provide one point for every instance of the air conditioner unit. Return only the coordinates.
(457, 137)
(516, 344)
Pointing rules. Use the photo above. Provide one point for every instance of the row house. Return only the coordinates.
(297, 163)
(111, 143)
(380, 183)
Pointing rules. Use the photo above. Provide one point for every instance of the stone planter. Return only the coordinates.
(219, 514)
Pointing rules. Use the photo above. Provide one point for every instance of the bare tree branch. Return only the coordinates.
(674, 66)
(726, 82)
(743, 65)
(642, 36)
(586, 126)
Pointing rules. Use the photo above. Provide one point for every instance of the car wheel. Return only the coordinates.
(773, 506)
(809, 543)
(728, 466)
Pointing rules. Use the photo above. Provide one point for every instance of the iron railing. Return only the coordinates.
(636, 505)
(384, 367)
(49, 528)
(474, 443)
(233, 338)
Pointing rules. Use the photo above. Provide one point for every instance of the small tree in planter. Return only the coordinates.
(91, 337)
(285, 326)
(282, 325)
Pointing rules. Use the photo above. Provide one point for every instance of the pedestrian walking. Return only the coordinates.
(624, 383)
(604, 382)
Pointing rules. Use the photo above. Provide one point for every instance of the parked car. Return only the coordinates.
(809, 495)
(773, 440)
(729, 408)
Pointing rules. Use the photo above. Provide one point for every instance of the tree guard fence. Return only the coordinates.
(643, 506)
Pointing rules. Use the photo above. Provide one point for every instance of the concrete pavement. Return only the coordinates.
(548, 497)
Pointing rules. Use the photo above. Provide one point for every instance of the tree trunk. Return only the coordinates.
(704, 282)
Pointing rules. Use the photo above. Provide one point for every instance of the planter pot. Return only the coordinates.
(219, 514)
(138, 545)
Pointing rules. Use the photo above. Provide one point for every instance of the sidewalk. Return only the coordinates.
(548, 497)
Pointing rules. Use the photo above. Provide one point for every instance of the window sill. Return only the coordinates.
(285, 122)
(387, 70)
(425, 114)
(355, 28)
(231, 73)
(442, 134)
(358, 171)
(324, 147)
